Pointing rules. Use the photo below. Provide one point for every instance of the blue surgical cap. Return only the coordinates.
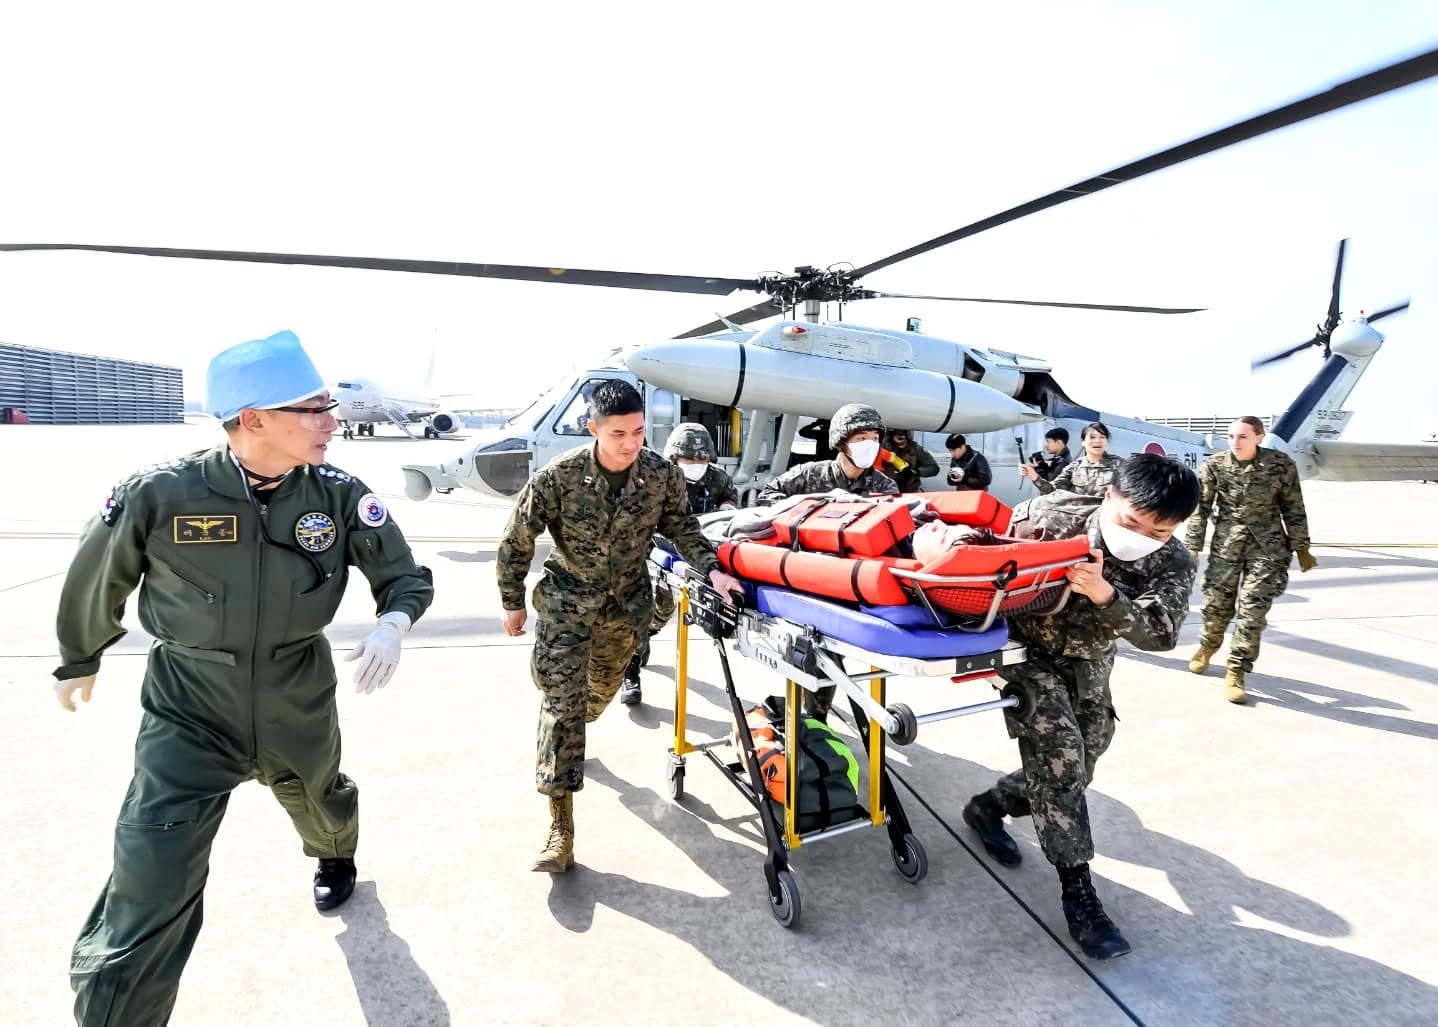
(261, 374)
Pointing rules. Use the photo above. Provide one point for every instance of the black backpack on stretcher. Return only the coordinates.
(828, 792)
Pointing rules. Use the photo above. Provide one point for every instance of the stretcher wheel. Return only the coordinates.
(908, 724)
(785, 904)
(1013, 690)
(912, 861)
(676, 778)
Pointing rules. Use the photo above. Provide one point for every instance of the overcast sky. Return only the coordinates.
(728, 140)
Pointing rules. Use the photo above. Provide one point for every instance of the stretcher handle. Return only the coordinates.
(716, 616)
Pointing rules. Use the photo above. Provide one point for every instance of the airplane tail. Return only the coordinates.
(429, 372)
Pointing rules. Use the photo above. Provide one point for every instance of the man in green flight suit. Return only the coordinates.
(602, 506)
(241, 554)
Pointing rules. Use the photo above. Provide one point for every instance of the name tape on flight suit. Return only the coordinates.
(192, 528)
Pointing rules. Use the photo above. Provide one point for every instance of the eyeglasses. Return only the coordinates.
(310, 410)
(314, 418)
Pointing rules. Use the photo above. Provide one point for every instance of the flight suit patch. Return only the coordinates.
(205, 528)
(110, 512)
(372, 512)
(315, 532)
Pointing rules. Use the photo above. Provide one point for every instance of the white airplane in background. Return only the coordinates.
(365, 402)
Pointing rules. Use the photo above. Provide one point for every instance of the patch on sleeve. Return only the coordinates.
(110, 512)
(372, 512)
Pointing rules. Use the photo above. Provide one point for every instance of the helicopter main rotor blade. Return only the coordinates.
(1274, 358)
(764, 308)
(513, 272)
(1337, 279)
(1376, 315)
(870, 294)
(1375, 83)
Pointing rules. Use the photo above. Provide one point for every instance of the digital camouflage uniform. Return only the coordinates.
(706, 495)
(825, 477)
(239, 686)
(594, 599)
(1082, 476)
(1070, 658)
(1259, 521)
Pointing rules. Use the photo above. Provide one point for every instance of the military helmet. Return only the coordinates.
(851, 418)
(691, 441)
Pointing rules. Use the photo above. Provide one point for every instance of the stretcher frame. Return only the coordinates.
(806, 659)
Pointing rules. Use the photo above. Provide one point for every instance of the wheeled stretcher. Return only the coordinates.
(806, 638)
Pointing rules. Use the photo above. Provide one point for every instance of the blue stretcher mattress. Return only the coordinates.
(877, 634)
(891, 630)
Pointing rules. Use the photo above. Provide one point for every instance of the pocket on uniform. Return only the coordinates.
(313, 611)
(160, 813)
(290, 794)
(181, 604)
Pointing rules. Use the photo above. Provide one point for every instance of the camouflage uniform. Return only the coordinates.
(1070, 658)
(825, 477)
(594, 598)
(1259, 521)
(1082, 476)
(706, 495)
(828, 476)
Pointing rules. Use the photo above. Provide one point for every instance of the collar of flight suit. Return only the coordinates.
(223, 473)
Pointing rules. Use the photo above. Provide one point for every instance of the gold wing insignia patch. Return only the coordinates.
(191, 528)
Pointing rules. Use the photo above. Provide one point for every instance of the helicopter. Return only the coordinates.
(754, 387)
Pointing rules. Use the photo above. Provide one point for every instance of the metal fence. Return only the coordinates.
(55, 387)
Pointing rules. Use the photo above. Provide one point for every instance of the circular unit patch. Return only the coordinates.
(372, 512)
(315, 532)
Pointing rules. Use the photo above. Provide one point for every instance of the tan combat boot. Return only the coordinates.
(558, 854)
(1199, 663)
(1234, 681)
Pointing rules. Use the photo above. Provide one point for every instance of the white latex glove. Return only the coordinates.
(64, 690)
(380, 650)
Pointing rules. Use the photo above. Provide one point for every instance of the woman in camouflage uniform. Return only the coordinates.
(1089, 476)
(1259, 524)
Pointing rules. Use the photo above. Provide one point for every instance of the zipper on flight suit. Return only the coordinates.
(255, 639)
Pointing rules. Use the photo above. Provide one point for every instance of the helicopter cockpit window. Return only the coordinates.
(575, 418)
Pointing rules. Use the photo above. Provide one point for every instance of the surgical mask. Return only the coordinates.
(864, 453)
(1124, 543)
(694, 471)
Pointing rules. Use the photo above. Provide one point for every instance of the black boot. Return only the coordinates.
(1088, 923)
(629, 692)
(984, 815)
(334, 882)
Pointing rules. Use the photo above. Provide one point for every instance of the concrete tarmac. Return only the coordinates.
(1270, 864)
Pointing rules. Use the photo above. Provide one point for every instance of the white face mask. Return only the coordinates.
(1124, 543)
(864, 453)
(694, 471)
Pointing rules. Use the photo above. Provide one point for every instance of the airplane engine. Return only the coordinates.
(444, 422)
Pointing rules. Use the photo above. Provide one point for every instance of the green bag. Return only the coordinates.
(828, 792)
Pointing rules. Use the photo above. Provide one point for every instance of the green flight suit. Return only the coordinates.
(239, 685)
